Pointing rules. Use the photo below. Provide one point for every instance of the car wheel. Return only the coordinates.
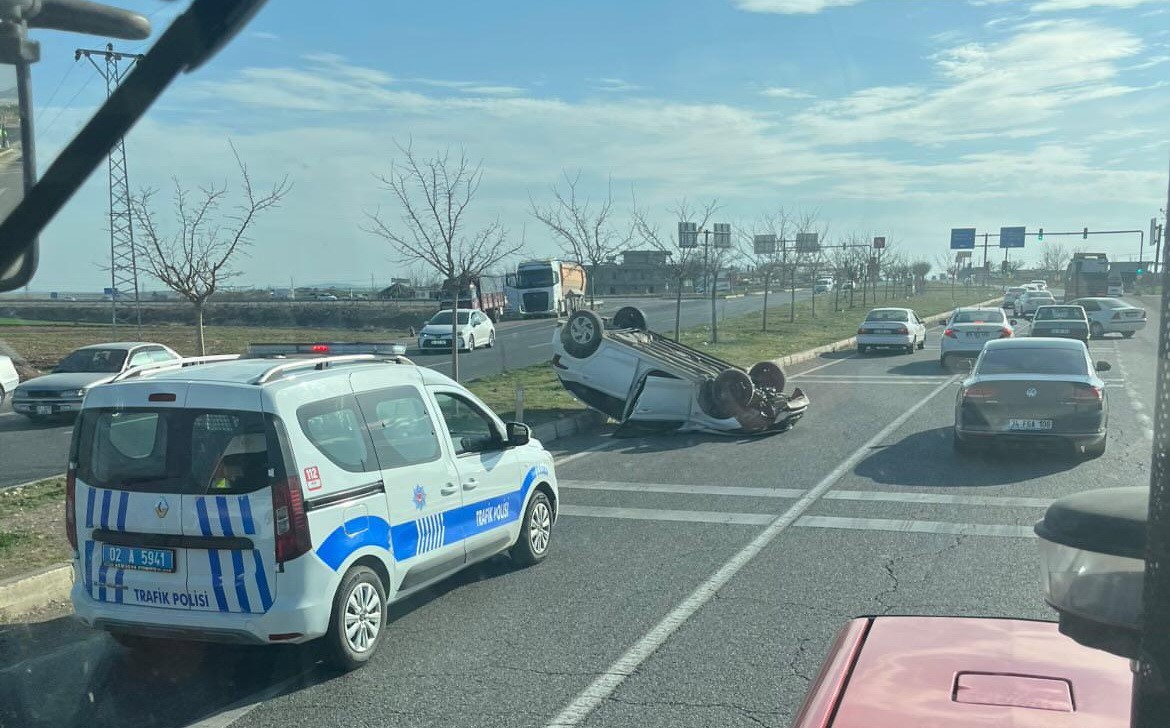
(922, 344)
(1097, 450)
(470, 343)
(629, 317)
(961, 446)
(1126, 334)
(1096, 330)
(733, 390)
(768, 374)
(491, 340)
(535, 531)
(913, 345)
(862, 348)
(357, 621)
(582, 334)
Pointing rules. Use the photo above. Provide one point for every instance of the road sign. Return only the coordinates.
(962, 238)
(807, 242)
(962, 255)
(721, 235)
(1011, 237)
(879, 243)
(764, 244)
(688, 235)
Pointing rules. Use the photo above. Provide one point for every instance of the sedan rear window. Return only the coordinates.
(189, 452)
(887, 315)
(1060, 313)
(978, 317)
(1032, 360)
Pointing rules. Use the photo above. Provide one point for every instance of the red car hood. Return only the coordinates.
(958, 672)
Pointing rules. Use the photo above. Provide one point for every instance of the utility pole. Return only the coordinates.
(123, 262)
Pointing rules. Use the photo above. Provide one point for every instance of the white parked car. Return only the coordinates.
(968, 329)
(9, 378)
(823, 285)
(325, 297)
(645, 380)
(475, 330)
(891, 328)
(1112, 316)
(1029, 301)
(265, 501)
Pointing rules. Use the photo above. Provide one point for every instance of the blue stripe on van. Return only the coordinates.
(89, 567)
(262, 581)
(89, 499)
(123, 503)
(103, 572)
(246, 515)
(225, 518)
(106, 494)
(238, 573)
(216, 577)
(204, 522)
(119, 577)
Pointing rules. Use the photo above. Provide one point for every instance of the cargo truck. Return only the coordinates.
(1087, 275)
(483, 293)
(547, 288)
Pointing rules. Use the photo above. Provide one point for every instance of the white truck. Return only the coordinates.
(546, 288)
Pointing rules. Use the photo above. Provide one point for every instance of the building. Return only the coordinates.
(640, 271)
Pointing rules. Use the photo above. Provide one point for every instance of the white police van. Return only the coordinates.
(263, 500)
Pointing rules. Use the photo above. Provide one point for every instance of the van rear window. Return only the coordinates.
(183, 451)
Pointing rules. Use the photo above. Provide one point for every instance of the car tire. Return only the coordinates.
(470, 342)
(944, 361)
(535, 531)
(1097, 450)
(491, 340)
(733, 390)
(922, 345)
(582, 334)
(914, 345)
(768, 374)
(1096, 331)
(629, 317)
(361, 602)
(1124, 334)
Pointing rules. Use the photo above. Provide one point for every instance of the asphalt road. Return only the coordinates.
(694, 580)
(29, 451)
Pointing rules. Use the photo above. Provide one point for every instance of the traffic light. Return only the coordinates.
(1040, 235)
(1085, 234)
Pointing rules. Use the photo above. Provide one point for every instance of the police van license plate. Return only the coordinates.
(1029, 425)
(128, 557)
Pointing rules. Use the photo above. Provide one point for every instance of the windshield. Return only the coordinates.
(537, 278)
(888, 315)
(978, 317)
(444, 317)
(93, 361)
(1027, 360)
(1063, 313)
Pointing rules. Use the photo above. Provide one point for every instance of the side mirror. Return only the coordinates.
(1104, 366)
(518, 434)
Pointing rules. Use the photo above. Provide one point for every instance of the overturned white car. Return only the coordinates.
(641, 378)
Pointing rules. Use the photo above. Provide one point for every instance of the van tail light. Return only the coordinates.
(1005, 333)
(980, 392)
(950, 334)
(71, 505)
(289, 520)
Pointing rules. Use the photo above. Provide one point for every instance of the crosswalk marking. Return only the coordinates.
(682, 489)
(662, 514)
(909, 526)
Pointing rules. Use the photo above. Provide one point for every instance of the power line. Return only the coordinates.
(68, 104)
(53, 95)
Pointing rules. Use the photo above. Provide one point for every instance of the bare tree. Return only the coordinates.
(585, 230)
(683, 262)
(1054, 259)
(771, 264)
(434, 194)
(197, 259)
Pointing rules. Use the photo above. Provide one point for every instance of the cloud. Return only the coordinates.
(783, 92)
(1056, 6)
(615, 85)
(791, 7)
(264, 35)
(488, 90)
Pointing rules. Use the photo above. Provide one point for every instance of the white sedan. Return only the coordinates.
(968, 329)
(1112, 315)
(475, 330)
(894, 328)
(8, 377)
(1029, 301)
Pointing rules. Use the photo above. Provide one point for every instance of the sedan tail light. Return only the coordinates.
(902, 331)
(1005, 333)
(1086, 393)
(980, 392)
(950, 334)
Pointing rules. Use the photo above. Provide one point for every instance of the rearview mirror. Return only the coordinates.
(518, 434)
(1104, 366)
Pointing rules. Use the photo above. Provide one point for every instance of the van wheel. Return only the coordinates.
(535, 531)
(582, 333)
(357, 621)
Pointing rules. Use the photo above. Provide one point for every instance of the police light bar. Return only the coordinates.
(327, 348)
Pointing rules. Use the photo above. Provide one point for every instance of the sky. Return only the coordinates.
(902, 118)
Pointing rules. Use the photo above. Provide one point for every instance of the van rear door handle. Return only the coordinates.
(448, 489)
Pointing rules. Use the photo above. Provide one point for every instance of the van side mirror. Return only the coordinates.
(518, 434)
(1104, 366)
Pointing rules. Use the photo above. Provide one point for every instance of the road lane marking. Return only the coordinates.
(908, 526)
(806, 372)
(872, 382)
(939, 498)
(666, 514)
(541, 345)
(681, 489)
(599, 447)
(605, 684)
(440, 364)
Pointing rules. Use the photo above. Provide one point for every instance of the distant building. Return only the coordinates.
(640, 271)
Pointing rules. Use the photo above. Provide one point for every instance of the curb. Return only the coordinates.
(564, 427)
(21, 594)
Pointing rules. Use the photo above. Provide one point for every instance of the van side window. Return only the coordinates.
(400, 427)
(336, 428)
(471, 430)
